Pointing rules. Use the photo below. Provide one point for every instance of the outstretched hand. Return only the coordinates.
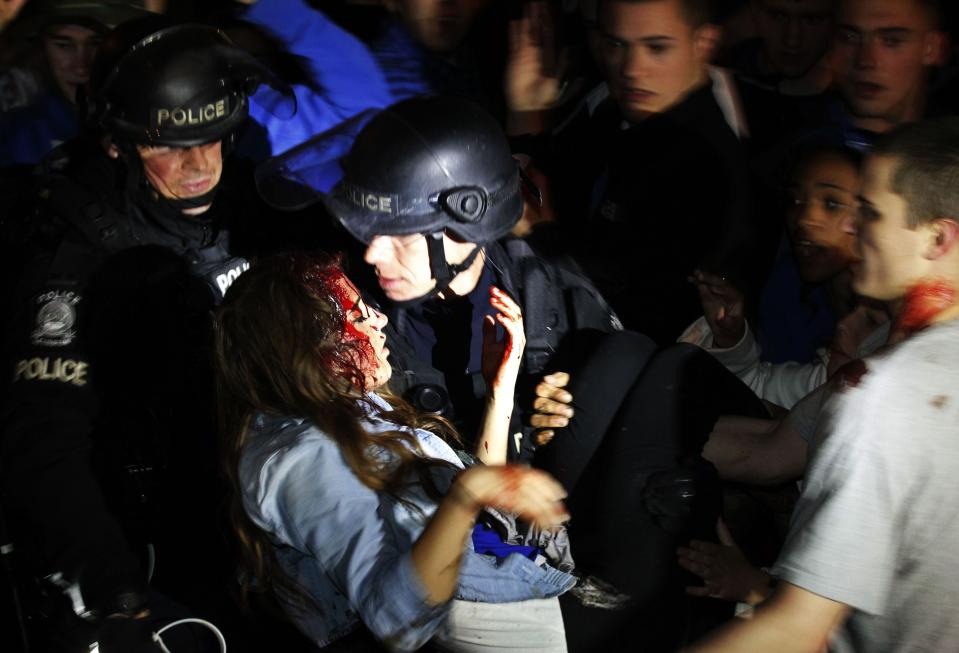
(552, 409)
(531, 494)
(534, 70)
(724, 307)
(502, 358)
(724, 569)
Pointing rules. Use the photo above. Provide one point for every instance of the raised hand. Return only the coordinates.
(723, 306)
(724, 569)
(534, 71)
(502, 358)
(552, 409)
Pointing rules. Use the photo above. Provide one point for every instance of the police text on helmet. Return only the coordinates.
(197, 115)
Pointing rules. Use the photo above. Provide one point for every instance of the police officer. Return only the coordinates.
(432, 190)
(108, 433)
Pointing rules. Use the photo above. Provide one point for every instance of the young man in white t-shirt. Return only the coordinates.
(871, 560)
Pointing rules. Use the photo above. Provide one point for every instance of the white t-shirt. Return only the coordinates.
(877, 525)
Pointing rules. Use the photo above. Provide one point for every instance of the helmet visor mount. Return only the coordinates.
(367, 214)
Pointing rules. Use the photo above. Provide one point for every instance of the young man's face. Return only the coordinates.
(880, 56)
(70, 50)
(893, 254)
(653, 57)
(439, 25)
(794, 33)
(182, 172)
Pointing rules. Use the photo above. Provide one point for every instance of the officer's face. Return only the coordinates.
(880, 57)
(70, 50)
(403, 264)
(439, 25)
(653, 56)
(183, 172)
(794, 33)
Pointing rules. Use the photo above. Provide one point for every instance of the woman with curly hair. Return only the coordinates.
(353, 509)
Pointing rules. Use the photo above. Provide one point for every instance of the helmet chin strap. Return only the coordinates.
(441, 270)
(185, 203)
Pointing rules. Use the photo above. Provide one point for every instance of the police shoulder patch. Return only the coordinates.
(56, 318)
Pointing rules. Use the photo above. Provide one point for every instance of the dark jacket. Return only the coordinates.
(556, 301)
(676, 196)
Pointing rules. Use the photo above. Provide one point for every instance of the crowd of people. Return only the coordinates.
(479, 325)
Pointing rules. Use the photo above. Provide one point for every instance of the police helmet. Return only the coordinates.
(429, 165)
(97, 15)
(158, 83)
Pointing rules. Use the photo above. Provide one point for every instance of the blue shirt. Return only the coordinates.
(347, 79)
(350, 547)
(411, 70)
(28, 133)
(794, 320)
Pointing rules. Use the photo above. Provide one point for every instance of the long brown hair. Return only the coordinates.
(280, 350)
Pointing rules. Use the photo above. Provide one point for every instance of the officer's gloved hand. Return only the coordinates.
(122, 634)
(681, 500)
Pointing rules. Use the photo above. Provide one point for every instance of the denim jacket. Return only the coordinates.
(350, 547)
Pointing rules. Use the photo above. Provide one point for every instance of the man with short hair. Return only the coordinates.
(882, 55)
(792, 37)
(875, 534)
(676, 193)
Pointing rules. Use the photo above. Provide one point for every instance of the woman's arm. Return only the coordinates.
(302, 492)
(501, 364)
(532, 494)
(792, 621)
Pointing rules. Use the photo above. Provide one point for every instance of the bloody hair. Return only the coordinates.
(280, 350)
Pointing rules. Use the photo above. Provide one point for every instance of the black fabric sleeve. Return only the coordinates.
(48, 415)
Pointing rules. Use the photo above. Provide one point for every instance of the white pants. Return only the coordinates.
(519, 627)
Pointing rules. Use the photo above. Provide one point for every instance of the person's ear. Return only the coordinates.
(706, 41)
(935, 50)
(112, 150)
(943, 237)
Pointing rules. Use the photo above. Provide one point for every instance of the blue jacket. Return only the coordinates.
(411, 70)
(347, 78)
(28, 133)
(350, 547)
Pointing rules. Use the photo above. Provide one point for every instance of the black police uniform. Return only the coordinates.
(555, 301)
(109, 430)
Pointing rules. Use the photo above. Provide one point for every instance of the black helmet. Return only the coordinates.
(429, 165)
(97, 15)
(157, 83)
